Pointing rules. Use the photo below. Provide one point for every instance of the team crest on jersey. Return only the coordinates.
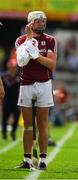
(43, 43)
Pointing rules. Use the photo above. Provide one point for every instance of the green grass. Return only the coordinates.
(64, 165)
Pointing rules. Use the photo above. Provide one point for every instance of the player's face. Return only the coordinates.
(39, 26)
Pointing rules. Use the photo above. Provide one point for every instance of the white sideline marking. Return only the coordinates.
(34, 175)
(10, 146)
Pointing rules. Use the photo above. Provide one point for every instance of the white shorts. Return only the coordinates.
(42, 91)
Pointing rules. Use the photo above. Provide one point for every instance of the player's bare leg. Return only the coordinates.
(42, 122)
(27, 138)
(28, 131)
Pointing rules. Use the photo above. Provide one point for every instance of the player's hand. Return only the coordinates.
(32, 48)
(29, 31)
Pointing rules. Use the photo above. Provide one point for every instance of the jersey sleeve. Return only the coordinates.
(52, 45)
(55, 46)
(20, 40)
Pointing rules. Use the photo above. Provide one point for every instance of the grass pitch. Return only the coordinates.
(64, 164)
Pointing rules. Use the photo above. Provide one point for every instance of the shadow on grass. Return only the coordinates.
(15, 169)
(47, 170)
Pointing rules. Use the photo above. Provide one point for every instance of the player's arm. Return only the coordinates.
(26, 49)
(2, 91)
(21, 53)
(49, 61)
(21, 39)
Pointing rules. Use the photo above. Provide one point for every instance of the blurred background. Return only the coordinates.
(62, 23)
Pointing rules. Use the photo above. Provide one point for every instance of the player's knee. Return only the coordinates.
(28, 128)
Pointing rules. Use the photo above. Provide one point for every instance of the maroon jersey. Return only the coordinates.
(34, 71)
